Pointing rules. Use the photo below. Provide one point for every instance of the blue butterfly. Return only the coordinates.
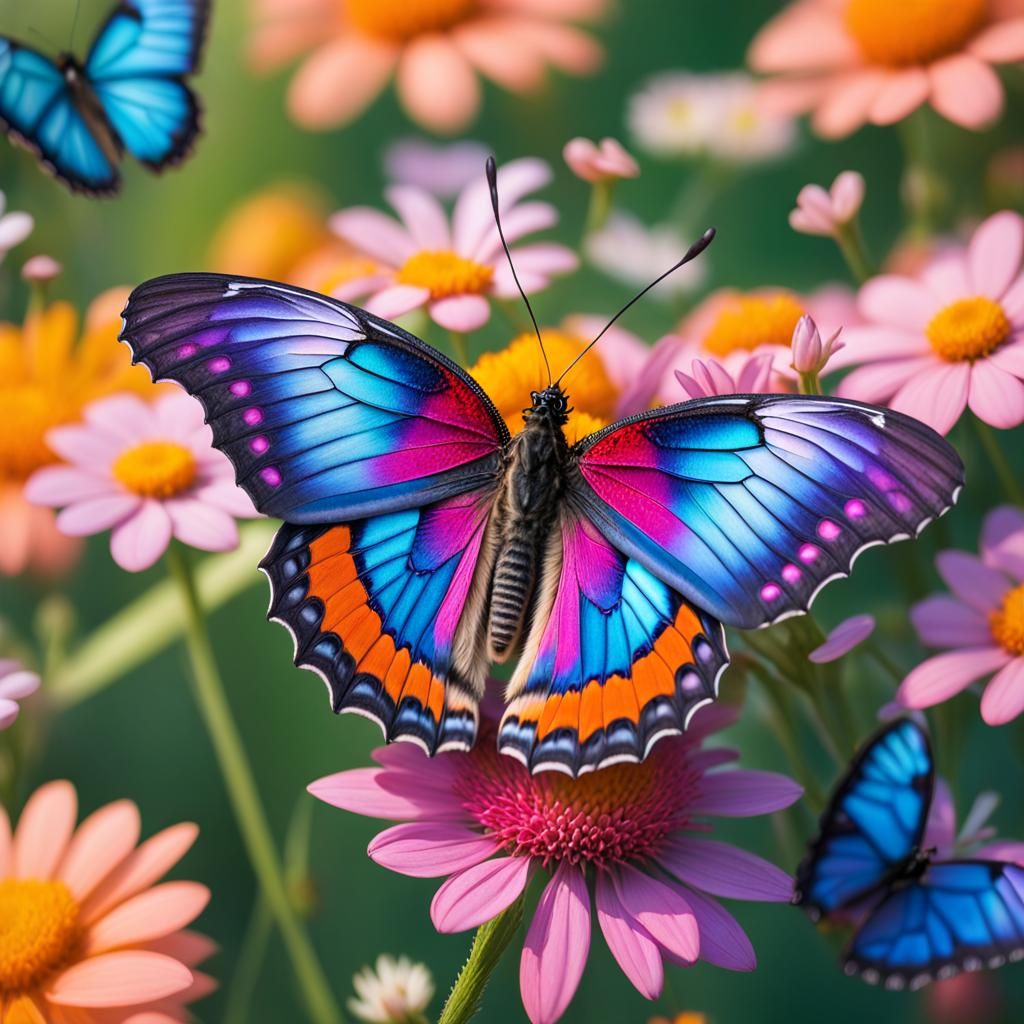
(129, 95)
(921, 919)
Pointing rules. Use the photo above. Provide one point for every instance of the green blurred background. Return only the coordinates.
(142, 738)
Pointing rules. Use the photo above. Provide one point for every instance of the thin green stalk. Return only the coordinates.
(601, 194)
(1002, 467)
(851, 245)
(489, 943)
(810, 384)
(241, 787)
(885, 661)
(249, 965)
(460, 350)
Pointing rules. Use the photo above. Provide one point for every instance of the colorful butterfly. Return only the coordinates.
(920, 919)
(129, 94)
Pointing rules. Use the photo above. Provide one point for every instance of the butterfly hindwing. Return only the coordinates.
(747, 505)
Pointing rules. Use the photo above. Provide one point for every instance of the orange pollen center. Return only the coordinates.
(444, 274)
(28, 413)
(968, 329)
(752, 321)
(900, 33)
(155, 469)
(402, 20)
(1007, 624)
(39, 933)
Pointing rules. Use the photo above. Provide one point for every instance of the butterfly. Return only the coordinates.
(920, 918)
(129, 94)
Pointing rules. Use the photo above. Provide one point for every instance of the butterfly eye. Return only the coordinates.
(535, 397)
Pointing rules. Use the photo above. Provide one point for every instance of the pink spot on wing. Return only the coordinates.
(253, 416)
(271, 476)
(220, 364)
(259, 444)
(186, 351)
(771, 592)
(241, 388)
(900, 502)
(856, 509)
(808, 553)
(827, 530)
(791, 573)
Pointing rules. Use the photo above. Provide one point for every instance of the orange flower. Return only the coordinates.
(432, 47)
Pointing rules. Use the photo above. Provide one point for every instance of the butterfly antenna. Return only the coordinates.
(74, 25)
(492, 183)
(691, 254)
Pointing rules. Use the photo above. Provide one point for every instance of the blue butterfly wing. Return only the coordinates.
(747, 505)
(136, 67)
(960, 915)
(874, 822)
(39, 111)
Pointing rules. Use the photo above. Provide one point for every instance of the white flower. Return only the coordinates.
(396, 992)
(742, 132)
(15, 227)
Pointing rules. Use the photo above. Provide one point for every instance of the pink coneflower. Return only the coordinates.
(638, 832)
(146, 472)
(87, 935)
(857, 61)
(981, 624)
(951, 337)
(433, 49)
(16, 683)
(452, 269)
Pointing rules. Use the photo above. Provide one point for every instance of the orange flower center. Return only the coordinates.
(898, 33)
(968, 329)
(39, 933)
(444, 273)
(28, 413)
(1007, 624)
(402, 20)
(752, 321)
(155, 469)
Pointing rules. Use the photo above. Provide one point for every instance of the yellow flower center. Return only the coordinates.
(155, 469)
(898, 33)
(28, 413)
(1007, 624)
(402, 20)
(444, 274)
(39, 933)
(968, 329)
(751, 321)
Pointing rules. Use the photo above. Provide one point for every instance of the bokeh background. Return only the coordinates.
(141, 736)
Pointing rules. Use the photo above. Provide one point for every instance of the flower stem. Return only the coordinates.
(459, 348)
(241, 787)
(489, 943)
(810, 384)
(601, 195)
(851, 245)
(1002, 467)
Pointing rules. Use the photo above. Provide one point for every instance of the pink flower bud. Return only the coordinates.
(41, 269)
(607, 161)
(810, 354)
(823, 213)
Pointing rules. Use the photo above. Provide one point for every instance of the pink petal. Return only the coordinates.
(397, 300)
(722, 941)
(879, 382)
(936, 396)
(1002, 540)
(544, 258)
(995, 253)
(804, 37)
(485, 41)
(202, 526)
(123, 416)
(946, 278)
(634, 950)
(662, 911)
(423, 216)
(127, 978)
(843, 639)
(945, 675)
(1000, 43)
(1003, 699)
(556, 946)
(6, 847)
(1013, 303)
(1006, 851)
(724, 870)
(101, 842)
(436, 84)
(940, 828)
(139, 541)
(865, 344)
(462, 313)
(848, 102)
(996, 396)
(744, 794)
(901, 94)
(899, 301)
(97, 514)
(85, 446)
(943, 621)
(189, 947)
(479, 893)
(9, 711)
(227, 496)
(150, 915)
(62, 485)
(360, 791)
(520, 221)
(18, 684)
(44, 830)
(429, 849)
(374, 233)
(966, 90)
(810, 222)
(979, 586)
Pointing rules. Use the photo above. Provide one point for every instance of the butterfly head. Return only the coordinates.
(552, 404)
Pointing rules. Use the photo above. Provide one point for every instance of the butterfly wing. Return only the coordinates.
(960, 915)
(874, 822)
(39, 111)
(136, 69)
(747, 505)
(615, 659)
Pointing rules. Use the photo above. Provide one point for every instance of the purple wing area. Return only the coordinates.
(747, 505)
(327, 413)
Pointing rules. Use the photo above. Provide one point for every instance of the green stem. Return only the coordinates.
(249, 964)
(601, 194)
(851, 245)
(883, 659)
(459, 348)
(489, 943)
(996, 455)
(241, 787)
(810, 384)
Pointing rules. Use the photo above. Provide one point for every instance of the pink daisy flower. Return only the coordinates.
(452, 269)
(148, 472)
(951, 337)
(981, 625)
(709, 377)
(16, 683)
(857, 61)
(88, 936)
(432, 49)
(638, 832)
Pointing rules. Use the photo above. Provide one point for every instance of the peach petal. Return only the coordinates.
(847, 103)
(966, 90)
(189, 947)
(126, 978)
(567, 48)
(804, 37)
(901, 94)
(995, 253)
(149, 915)
(1002, 43)
(101, 842)
(436, 84)
(281, 33)
(485, 43)
(44, 830)
(6, 850)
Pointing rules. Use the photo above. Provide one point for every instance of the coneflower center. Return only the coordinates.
(39, 933)
(444, 273)
(1007, 623)
(155, 469)
(900, 33)
(968, 329)
(750, 321)
(402, 20)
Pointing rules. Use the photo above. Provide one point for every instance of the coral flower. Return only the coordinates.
(951, 337)
(857, 61)
(433, 48)
(86, 934)
(148, 472)
(637, 832)
(453, 269)
(46, 379)
(981, 624)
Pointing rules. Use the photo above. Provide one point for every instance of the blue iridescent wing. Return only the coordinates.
(136, 69)
(747, 505)
(960, 915)
(874, 823)
(39, 111)
(328, 414)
